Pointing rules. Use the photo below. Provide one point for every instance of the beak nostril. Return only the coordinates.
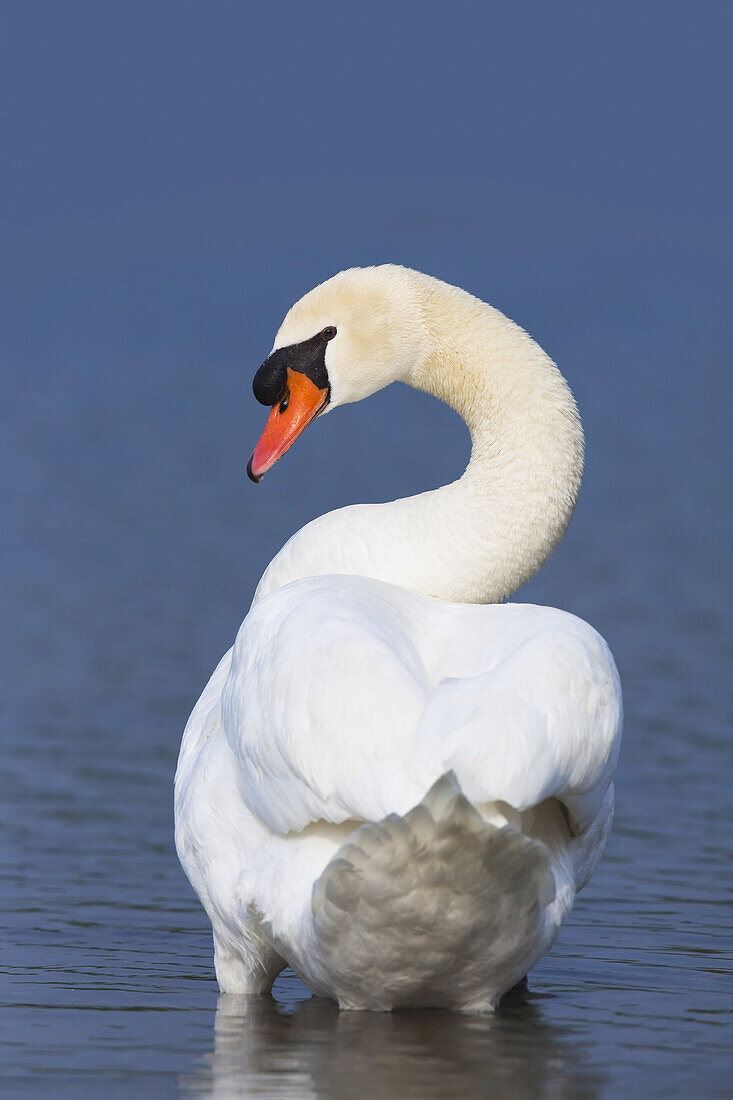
(284, 403)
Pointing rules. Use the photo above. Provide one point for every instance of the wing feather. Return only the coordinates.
(347, 698)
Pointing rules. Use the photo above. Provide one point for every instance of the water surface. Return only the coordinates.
(137, 544)
(174, 176)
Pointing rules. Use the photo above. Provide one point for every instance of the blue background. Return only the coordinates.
(174, 176)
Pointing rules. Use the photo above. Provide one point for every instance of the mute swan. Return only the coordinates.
(392, 782)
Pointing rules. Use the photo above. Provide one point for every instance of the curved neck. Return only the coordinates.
(478, 539)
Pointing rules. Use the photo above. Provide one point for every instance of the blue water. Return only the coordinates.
(174, 179)
(136, 543)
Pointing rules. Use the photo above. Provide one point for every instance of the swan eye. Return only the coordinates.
(329, 332)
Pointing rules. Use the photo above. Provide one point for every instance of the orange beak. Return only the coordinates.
(301, 403)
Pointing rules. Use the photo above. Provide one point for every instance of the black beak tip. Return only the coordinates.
(251, 476)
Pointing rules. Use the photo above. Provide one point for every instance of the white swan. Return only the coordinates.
(392, 783)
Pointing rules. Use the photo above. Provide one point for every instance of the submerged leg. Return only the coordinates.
(250, 966)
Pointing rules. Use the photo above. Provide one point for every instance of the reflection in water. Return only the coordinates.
(264, 1049)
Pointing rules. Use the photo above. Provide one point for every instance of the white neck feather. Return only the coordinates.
(481, 537)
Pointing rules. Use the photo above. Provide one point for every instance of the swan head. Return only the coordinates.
(349, 337)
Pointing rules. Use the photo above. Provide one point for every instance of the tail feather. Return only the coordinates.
(437, 907)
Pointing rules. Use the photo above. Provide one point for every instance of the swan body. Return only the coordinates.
(392, 782)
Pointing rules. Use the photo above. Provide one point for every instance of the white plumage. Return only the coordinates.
(391, 784)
